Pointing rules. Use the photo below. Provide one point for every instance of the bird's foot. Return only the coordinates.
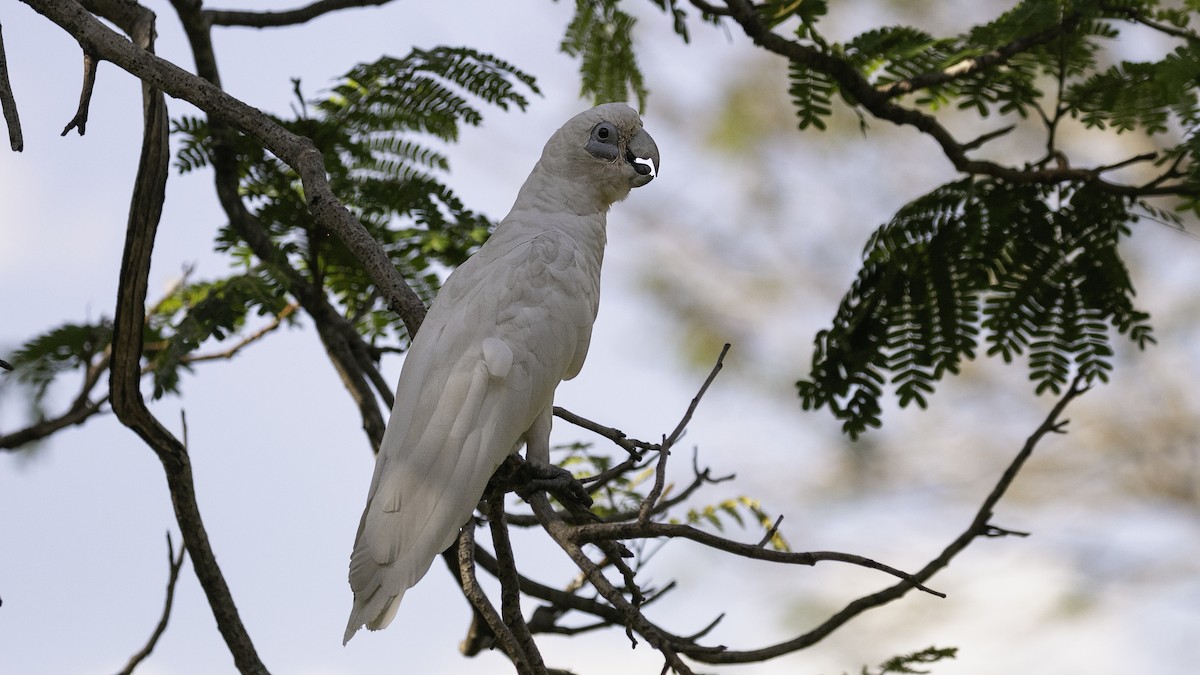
(525, 478)
(556, 480)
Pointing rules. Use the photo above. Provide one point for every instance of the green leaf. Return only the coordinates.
(601, 36)
(972, 260)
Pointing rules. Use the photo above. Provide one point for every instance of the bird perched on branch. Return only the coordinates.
(509, 324)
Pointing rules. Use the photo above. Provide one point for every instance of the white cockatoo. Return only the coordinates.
(509, 324)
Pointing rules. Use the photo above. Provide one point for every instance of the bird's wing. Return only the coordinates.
(506, 328)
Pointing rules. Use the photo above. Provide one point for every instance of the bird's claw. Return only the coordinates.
(555, 480)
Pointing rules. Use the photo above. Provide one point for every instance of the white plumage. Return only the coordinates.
(509, 324)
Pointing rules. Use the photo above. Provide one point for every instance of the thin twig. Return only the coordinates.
(660, 472)
(631, 445)
(596, 532)
(175, 563)
(771, 532)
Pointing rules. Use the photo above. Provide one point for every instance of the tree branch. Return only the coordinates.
(479, 600)
(79, 121)
(8, 103)
(632, 617)
(660, 471)
(631, 445)
(222, 17)
(510, 592)
(175, 563)
(971, 66)
(144, 214)
(979, 527)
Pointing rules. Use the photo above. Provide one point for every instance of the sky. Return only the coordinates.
(1109, 583)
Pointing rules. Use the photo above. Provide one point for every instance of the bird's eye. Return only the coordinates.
(605, 131)
(603, 142)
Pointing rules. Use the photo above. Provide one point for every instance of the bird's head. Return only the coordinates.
(607, 148)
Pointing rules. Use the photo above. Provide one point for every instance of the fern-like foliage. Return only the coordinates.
(972, 260)
(601, 36)
(1020, 268)
(906, 663)
(1131, 95)
(196, 312)
(69, 347)
(375, 129)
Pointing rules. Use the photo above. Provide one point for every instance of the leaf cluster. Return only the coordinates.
(905, 663)
(196, 312)
(378, 128)
(69, 347)
(1001, 66)
(601, 35)
(1022, 268)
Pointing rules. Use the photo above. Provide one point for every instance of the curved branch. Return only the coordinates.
(594, 532)
(291, 17)
(980, 527)
(76, 414)
(144, 214)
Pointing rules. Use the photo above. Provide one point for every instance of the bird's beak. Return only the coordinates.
(642, 154)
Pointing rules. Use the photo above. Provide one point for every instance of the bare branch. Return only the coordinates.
(595, 532)
(222, 17)
(79, 121)
(979, 527)
(660, 472)
(76, 414)
(1137, 16)
(631, 445)
(632, 617)
(510, 592)
(479, 600)
(144, 215)
(8, 103)
(175, 563)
